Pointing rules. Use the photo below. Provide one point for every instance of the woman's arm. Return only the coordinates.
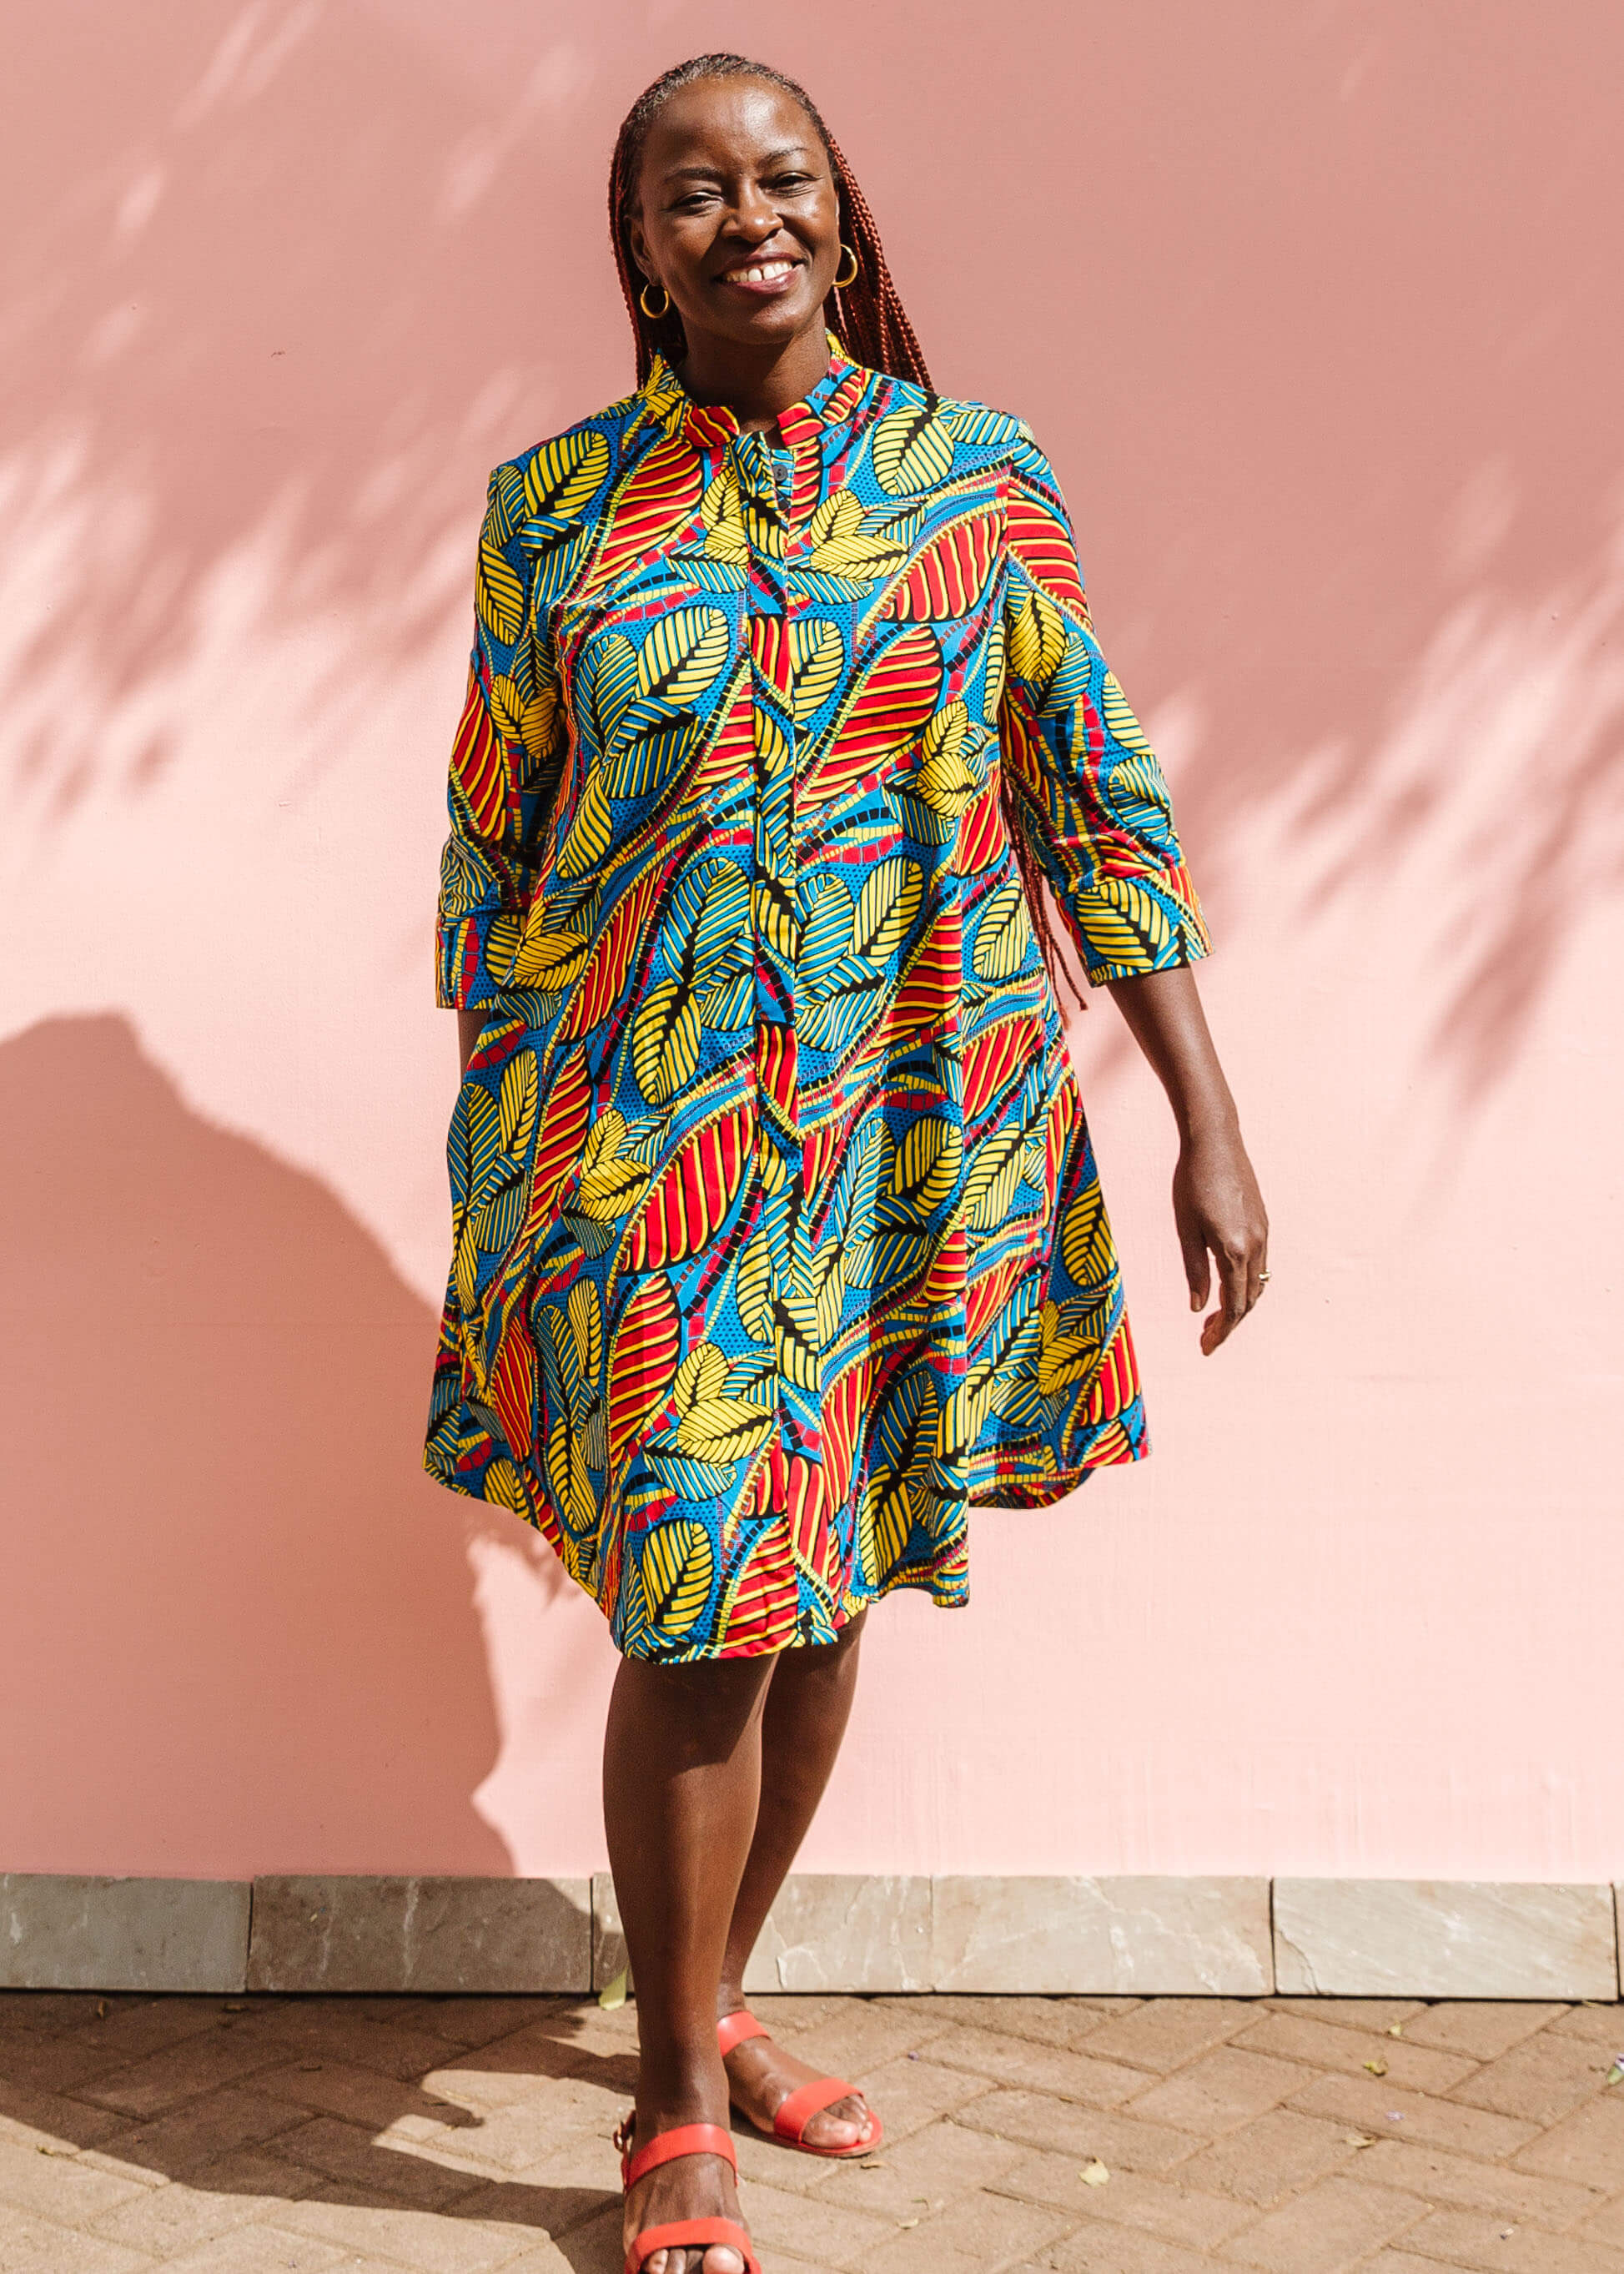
(469, 1023)
(1216, 1204)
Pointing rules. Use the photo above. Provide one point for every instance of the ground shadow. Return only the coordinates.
(226, 1576)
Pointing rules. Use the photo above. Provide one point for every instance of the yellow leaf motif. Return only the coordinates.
(926, 1165)
(682, 654)
(549, 958)
(561, 477)
(992, 680)
(723, 1429)
(886, 907)
(517, 1103)
(586, 1326)
(1037, 638)
(883, 1523)
(498, 596)
(794, 1321)
(702, 1374)
(1064, 1357)
(723, 516)
(1086, 1247)
(1004, 935)
(678, 1565)
(665, 1036)
(994, 1172)
(590, 831)
(912, 451)
(753, 1286)
(1120, 722)
(943, 780)
(816, 655)
(839, 546)
(608, 1185)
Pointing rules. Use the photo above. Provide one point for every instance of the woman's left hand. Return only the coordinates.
(1221, 1217)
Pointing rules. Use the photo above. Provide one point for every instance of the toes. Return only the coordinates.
(721, 2259)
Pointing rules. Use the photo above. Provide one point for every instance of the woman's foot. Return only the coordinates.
(761, 2076)
(688, 2187)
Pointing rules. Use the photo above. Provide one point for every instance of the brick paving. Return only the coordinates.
(461, 2136)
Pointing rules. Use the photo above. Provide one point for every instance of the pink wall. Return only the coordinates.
(1316, 308)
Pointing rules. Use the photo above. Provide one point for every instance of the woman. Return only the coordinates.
(777, 1238)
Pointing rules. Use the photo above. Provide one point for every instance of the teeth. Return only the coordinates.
(759, 271)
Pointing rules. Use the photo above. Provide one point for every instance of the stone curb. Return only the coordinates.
(836, 1932)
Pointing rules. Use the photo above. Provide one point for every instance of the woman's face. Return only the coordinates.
(740, 218)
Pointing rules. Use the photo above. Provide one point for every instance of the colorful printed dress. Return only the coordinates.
(778, 1238)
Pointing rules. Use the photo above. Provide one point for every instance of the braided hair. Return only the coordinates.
(866, 315)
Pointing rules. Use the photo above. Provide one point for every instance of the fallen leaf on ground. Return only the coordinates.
(1358, 2139)
(1395, 2029)
(1377, 2067)
(1615, 2074)
(1093, 2173)
(613, 1993)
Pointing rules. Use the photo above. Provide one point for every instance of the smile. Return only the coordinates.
(759, 275)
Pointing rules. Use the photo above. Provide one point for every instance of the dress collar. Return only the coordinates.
(712, 425)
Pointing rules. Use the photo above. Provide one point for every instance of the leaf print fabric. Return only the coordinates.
(778, 1240)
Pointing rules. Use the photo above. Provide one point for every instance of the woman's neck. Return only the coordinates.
(753, 383)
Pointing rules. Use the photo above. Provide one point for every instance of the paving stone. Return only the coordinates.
(344, 2152)
(1350, 2013)
(938, 2163)
(315, 2028)
(167, 2222)
(1264, 2161)
(1608, 2225)
(1040, 2121)
(1291, 2036)
(1587, 2146)
(1372, 2104)
(261, 2249)
(1037, 2068)
(1218, 2091)
(861, 2035)
(63, 2186)
(1480, 2028)
(912, 2092)
(993, 2228)
(55, 2063)
(423, 2239)
(1603, 2024)
(200, 2131)
(1465, 2184)
(201, 2063)
(1464, 2238)
(1046, 2021)
(1125, 2250)
(1542, 2079)
(38, 2246)
(1337, 2223)
(830, 2234)
(1164, 2033)
(1162, 2207)
(31, 2119)
(147, 2025)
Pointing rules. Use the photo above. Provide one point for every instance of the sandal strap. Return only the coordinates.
(794, 2112)
(699, 2233)
(733, 2030)
(682, 2140)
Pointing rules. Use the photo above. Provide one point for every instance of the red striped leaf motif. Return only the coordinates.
(566, 1117)
(601, 984)
(660, 494)
(643, 1364)
(763, 1616)
(982, 834)
(693, 1193)
(1116, 1384)
(808, 1497)
(1043, 542)
(991, 1060)
(512, 1385)
(986, 1297)
(947, 579)
(929, 990)
(841, 1408)
(889, 706)
(479, 762)
(943, 1286)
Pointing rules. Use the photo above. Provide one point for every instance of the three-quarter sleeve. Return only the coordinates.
(1090, 798)
(505, 764)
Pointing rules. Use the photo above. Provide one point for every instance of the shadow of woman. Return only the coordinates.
(230, 1587)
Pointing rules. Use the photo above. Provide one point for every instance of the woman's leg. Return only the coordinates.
(808, 1707)
(681, 1779)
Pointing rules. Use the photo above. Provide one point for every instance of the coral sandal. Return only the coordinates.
(797, 2109)
(681, 2234)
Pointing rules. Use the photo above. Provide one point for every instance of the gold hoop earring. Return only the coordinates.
(842, 282)
(654, 314)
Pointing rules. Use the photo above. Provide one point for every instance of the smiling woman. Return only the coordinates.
(778, 1242)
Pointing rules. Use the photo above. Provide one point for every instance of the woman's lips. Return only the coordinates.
(761, 279)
